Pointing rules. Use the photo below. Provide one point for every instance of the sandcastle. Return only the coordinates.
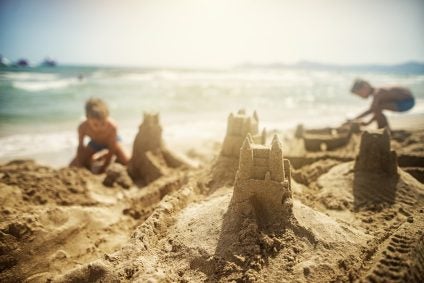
(326, 138)
(263, 182)
(238, 126)
(376, 173)
(150, 158)
(375, 155)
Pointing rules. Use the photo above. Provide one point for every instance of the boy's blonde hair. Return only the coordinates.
(96, 108)
(358, 84)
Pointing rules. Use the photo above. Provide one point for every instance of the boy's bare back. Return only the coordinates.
(395, 93)
(397, 98)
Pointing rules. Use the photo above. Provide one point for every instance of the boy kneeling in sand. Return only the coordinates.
(398, 99)
(103, 134)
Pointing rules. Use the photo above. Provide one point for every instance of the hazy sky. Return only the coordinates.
(212, 32)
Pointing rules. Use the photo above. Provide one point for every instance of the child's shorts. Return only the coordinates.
(98, 147)
(405, 105)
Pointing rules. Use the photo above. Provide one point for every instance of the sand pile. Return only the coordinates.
(117, 175)
(150, 158)
(386, 202)
(55, 220)
(233, 234)
(43, 185)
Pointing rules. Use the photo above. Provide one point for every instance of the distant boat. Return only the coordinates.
(21, 63)
(4, 62)
(48, 62)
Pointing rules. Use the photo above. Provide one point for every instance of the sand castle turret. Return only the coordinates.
(150, 158)
(375, 155)
(238, 126)
(263, 182)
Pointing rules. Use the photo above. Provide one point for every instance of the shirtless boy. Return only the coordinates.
(398, 99)
(103, 134)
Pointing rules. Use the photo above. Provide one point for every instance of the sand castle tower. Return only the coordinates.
(375, 155)
(263, 182)
(238, 126)
(150, 158)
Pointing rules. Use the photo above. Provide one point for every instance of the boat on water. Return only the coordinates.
(48, 62)
(22, 63)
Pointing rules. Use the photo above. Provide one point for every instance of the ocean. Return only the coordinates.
(41, 107)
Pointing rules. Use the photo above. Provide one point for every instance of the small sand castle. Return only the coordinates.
(150, 158)
(263, 181)
(375, 155)
(326, 138)
(239, 125)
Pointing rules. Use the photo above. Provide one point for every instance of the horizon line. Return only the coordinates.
(298, 63)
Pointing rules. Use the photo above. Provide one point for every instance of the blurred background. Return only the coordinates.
(195, 61)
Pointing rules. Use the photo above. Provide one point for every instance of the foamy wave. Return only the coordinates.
(204, 78)
(44, 85)
(31, 144)
(27, 76)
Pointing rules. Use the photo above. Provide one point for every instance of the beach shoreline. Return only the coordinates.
(61, 157)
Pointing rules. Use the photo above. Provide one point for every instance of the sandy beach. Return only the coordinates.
(354, 212)
(211, 141)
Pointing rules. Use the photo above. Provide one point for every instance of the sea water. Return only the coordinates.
(40, 108)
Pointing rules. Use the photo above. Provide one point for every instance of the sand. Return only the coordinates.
(273, 211)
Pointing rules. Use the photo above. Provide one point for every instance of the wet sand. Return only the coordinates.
(336, 219)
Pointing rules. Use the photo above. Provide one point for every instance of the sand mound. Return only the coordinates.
(77, 222)
(232, 234)
(380, 198)
(43, 185)
(117, 174)
(150, 158)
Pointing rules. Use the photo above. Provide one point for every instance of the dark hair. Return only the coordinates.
(96, 108)
(358, 84)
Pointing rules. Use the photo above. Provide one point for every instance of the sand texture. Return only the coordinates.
(268, 212)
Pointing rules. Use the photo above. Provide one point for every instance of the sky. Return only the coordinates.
(212, 33)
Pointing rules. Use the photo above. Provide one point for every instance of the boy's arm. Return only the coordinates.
(107, 161)
(111, 147)
(374, 104)
(369, 122)
(367, 112)
(81, 135)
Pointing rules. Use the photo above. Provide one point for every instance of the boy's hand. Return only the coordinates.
(347, 122)
(350, 121)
